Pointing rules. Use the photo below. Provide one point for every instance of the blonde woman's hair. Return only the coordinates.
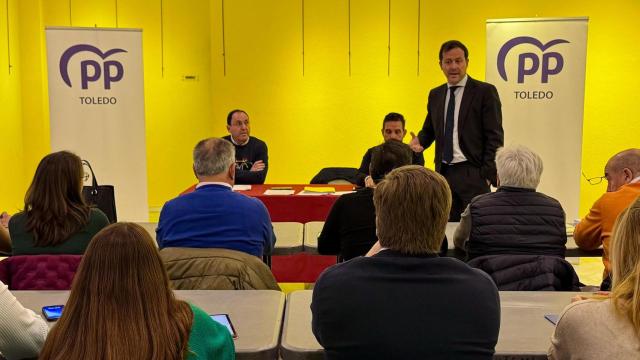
(625, 263)
(412, 209)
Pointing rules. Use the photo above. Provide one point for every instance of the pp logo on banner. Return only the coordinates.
(530, 64)
(91, 71)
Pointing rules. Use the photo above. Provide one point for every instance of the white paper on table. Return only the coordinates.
(570, 229)
(343, 192)
(241, 187)
(313, 193)
(279, 192)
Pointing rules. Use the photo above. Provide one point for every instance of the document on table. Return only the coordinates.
(317, 190)
(279, 192)
(570, 228)
(241, 187)
(312, 193)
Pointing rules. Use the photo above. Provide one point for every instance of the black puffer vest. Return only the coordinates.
(516, 221)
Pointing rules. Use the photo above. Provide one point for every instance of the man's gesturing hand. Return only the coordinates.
(414, 144)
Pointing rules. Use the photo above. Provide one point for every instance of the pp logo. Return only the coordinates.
(535, 63)
(90, 70)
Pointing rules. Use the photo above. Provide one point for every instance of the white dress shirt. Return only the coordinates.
(458, 156)
(214, 183)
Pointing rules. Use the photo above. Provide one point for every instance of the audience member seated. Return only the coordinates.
(350, 228)
(392, 129)
(252, 157)
(56, 219)
(609, 329)
(22, 332)
(121, 306)
(623, 187)
(213, 216)
(516, 219)
(405, 302)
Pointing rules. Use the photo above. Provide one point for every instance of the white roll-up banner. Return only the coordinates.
(538, 67)
(96, 105)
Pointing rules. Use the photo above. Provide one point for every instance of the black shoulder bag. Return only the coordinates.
(100, 196)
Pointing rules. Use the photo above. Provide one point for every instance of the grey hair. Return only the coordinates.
(213, 156)
(518, 166)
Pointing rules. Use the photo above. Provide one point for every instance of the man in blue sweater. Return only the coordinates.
(213, 216)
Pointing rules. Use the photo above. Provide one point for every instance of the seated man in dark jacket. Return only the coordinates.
(405, 302)
(515, 219)
(350, 228)
(392, 129)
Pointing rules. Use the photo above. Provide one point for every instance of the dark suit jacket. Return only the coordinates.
(480, 131)
(395, 306)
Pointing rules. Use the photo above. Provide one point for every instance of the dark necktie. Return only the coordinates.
(447, 155)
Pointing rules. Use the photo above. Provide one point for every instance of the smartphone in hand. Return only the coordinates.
(553, 318)
(223, 319)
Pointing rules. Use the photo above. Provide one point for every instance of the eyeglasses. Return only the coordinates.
(594, 180)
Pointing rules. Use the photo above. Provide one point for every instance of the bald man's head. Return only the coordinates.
(622, 168)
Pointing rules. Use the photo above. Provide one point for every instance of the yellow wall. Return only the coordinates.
(322, 117)
(12, 183)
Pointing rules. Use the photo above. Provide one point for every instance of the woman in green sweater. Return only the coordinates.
(55, 219)
(121, 307)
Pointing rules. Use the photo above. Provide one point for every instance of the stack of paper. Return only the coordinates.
(279, 192)
(320, 189)
(311, 190)
(570, 228)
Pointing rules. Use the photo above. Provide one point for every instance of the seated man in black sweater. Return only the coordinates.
(392, 129)
(350, 228)
(252, 158)
(403, 301)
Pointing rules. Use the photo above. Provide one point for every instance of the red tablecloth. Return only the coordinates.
(296, 208)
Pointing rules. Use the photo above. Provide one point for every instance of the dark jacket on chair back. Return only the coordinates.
(528, 272)
(516, 221)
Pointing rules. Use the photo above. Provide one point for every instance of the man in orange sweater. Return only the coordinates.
(623, 176)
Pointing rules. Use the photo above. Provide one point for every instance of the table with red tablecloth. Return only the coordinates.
(296, 208)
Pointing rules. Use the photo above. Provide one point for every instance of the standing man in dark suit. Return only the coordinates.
(464, 118)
